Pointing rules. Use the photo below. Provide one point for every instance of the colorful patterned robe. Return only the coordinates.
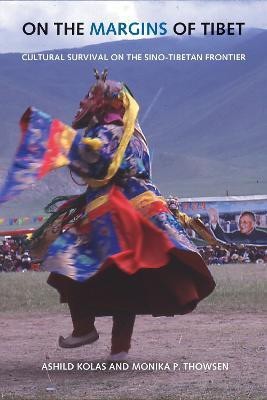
(126, 250)
(102, 236)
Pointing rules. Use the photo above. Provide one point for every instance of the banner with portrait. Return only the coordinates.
(233, 219)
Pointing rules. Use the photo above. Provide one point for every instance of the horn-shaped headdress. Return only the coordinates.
(103, 76)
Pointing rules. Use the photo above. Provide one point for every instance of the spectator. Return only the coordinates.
(26, 261)
(1, 262)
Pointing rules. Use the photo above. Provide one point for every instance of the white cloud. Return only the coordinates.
(15, 13)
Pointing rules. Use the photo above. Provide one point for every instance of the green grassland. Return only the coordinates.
(240, 287)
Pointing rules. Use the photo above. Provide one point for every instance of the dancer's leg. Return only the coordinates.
(122, 331)
(84, 331)
(81, 324)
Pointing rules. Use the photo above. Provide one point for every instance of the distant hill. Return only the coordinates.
(205, 122)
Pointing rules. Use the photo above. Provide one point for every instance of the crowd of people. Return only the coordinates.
(234, 254)
(15, 256)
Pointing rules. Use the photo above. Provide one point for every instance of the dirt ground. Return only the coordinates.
(30, 340)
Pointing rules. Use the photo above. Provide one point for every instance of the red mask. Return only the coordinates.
(101, 99)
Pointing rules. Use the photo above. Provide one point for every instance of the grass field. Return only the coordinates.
(228, 326)
(239, 288)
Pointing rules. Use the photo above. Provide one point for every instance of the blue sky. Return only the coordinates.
(13, 14)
